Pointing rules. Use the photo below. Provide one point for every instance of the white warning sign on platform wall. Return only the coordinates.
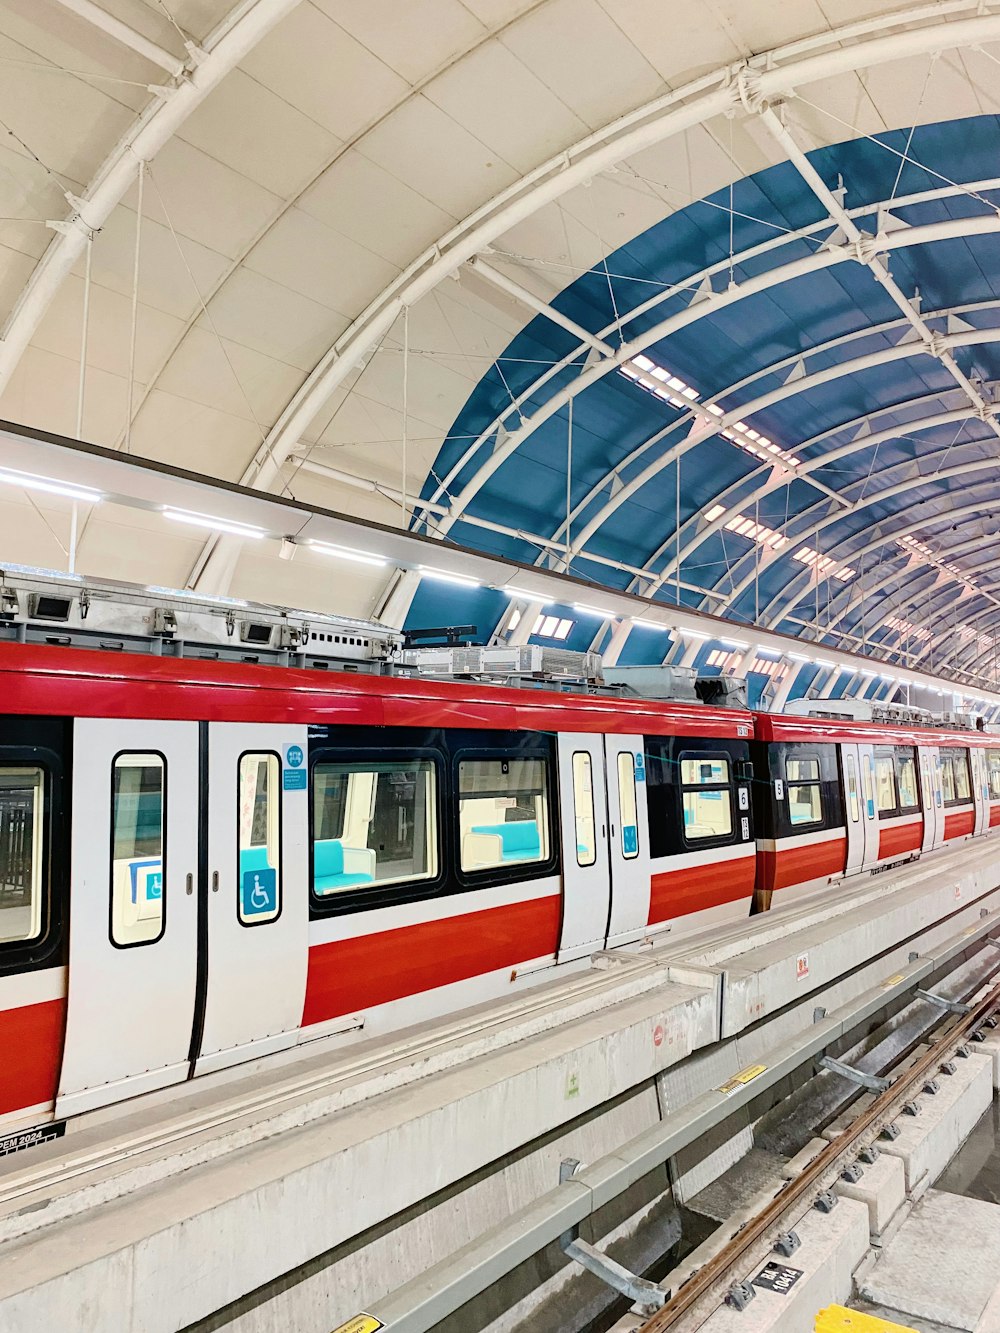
(802, 967)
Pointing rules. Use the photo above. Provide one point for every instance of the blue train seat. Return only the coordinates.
(520, 841)
(336, 867)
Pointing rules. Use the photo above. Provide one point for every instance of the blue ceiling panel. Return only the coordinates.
(741, 352)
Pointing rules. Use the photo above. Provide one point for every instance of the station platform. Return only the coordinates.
(343, 1172)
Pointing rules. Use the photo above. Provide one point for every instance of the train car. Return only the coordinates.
(836, 797)
(205, 862)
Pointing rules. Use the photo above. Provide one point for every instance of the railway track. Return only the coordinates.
(710, 1286)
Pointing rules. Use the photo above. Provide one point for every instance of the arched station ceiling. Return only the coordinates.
(401, 260)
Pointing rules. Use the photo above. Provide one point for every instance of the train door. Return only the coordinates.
(586, 877)
(628, 838)
(930, 781)
(980, 789)
(133, 910)
(869, 809)
(854, 818)
(256, 915)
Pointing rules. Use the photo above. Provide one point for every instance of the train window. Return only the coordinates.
(993, 761)
(706, 798)
(138, 859)
(627, 806)
(955, 780)
(947, 776)
(583, 808)
(906, 775)
(805, 791)
(963, 782)
(258, 889)
(22, 872)
(885, 784)
(503, 812)
(374, 823)
(852, 789)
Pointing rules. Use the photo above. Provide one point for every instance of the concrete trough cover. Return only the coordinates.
(943, 1264)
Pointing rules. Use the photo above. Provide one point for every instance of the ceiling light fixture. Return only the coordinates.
(28, 481)
(227, 525)
(462, 580)
(346, 553)
(595, 611)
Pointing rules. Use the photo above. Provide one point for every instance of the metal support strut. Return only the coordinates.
(646, 1295)
(942, 1002)
(870, 1081)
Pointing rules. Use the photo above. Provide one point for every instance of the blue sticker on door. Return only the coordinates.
(294, 776)
(258, 893)
(630, 839)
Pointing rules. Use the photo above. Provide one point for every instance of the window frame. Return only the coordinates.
(619, 756)
(883, 753)
(946, 754)
(703, 756)
(518, 871)
(9, 948)
(253, 925)
(367, 897)
(990, 751)
(367, 755)
(797, 825)
(904, 752)
(45, 743)
(584, 754)
(155, 939)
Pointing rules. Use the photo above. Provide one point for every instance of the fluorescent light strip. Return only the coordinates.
(214, 524)
(510, 591)
(38, 570)
(652, 624)
(428, 572)
(830, 666)
(695, 634)
(596, 611)
(735, 643)
(346, 553)
(28, 481)
(798, 657)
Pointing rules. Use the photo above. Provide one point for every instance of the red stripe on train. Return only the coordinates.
(348, 975)
(695, 888)
(994, 815)
(31, 1038)
(796, 865)
(900, 838)
(958, 825)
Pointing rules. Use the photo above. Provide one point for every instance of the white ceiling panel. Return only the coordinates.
(256, 132)
(507, 107)
(415, 38)
(270, 318)
(43, 392)
(917, 91)
(680, 41)
(437, 157)
(177, 430)
(164, 280)
(110, 330)
(313, 64)
(367, 204)
(759, 24)
(495, 14)
(15, 270)
(205, 200)
(588, 62)
(228, 377)
(303, 254)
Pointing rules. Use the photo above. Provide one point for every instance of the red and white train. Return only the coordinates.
(203, 863)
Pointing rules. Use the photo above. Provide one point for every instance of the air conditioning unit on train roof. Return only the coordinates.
(502, 662)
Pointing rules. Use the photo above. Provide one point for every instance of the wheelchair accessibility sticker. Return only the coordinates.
(259, 893)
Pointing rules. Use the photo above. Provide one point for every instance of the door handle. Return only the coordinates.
(189, 883)
(215, 881)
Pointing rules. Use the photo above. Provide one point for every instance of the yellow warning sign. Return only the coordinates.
(892, 981)
(740, 1080)
(361, 1323)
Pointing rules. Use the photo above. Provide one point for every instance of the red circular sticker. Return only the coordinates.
(658, 1035)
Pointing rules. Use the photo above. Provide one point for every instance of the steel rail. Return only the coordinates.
(706, 1282)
